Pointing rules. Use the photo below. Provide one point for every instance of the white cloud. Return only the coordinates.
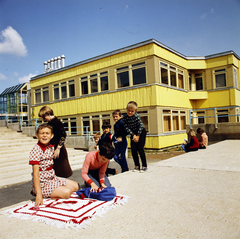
(2, 77)
(12, 43)
(27, 78)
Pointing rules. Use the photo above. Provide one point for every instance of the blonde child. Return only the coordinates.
(44, 181)
(134, 126)
(96, 139)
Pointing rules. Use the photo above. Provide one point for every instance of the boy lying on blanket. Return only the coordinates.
(95, 166)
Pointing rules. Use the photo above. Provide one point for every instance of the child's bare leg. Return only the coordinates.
(72, 185)
(61, 192)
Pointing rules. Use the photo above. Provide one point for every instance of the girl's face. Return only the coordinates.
(96, 140)
(131, 112)
(102, 159)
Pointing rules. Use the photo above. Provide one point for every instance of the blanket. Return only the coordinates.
(74, 212)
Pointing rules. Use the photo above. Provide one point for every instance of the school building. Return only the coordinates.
(172, 90)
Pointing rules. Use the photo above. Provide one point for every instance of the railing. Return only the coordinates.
(215, 116)
(74, 131)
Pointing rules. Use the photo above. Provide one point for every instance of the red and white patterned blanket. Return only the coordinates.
(73, 212)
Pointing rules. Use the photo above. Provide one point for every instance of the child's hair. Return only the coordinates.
(192, 133)
(132, 104)
(45, 110)
(106, 125)
(43, 126)
(97, 135)
(200, 130)
(106, 150)
(117, 112)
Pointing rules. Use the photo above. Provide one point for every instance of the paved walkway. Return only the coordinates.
(193, 195)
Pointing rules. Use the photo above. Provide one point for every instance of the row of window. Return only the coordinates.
(127, 76)
(222, 116)
(174, 120)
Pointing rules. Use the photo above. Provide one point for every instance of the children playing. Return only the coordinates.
(95, 166)
(44, 181)
(61, 164)
(120, 135)
(134, 126)
(203, 142)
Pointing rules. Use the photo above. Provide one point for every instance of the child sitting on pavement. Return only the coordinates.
(134, 126)
(203, 142)
(95, 166)
(192, 144)
(120, 135)
(44, 181)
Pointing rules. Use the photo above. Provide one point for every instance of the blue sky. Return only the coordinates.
(34, 31)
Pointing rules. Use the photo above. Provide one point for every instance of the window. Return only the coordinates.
(199, 81)
(38, 96)
(96, 123)
(86, 124)
(71, 87)
(122, 77)
(63, 90)
(190, 81)
(84, 85)
(134, 74)
(144, 118)
(174, 120)
(73, 126)
(45, 94)
(222, 116)
(171, 75)
(56, 92)
(139, 73)
(220, 78)
(104, 81)
(93, 83)
(235, 78)
(200, 115)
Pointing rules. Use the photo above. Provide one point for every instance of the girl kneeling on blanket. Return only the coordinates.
(44, 181)
(95, 166)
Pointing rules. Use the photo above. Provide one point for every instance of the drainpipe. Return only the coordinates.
(215, 117)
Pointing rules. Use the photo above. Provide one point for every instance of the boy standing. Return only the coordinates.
(107, 137)
(120, 135)
(134, 126)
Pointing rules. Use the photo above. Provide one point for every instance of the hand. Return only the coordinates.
(56, 153)
(95, 147)
(135, 138)
(39, 200)
(119, 139)
(94, 187)
(103, 185)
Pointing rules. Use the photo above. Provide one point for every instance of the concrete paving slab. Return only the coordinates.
(175, 198)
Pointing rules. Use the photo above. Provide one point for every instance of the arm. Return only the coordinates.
(36, 181)
(102, 174)
(62, 135)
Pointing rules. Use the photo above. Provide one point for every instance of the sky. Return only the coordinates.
(34, 31)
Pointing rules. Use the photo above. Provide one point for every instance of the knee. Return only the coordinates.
(67, 193)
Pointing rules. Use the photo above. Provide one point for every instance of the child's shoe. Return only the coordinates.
(136, 169)
(144, 169)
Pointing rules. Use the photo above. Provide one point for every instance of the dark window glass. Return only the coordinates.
(94, 87)
(71, 90)
(84, 86)
(164, 76)
(139, 76)
(104, 83)
(123, 79)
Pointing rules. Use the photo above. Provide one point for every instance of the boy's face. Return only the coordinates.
(106, 130)
(131, 112)
(44, 136)
(96, 139)
(116, 117)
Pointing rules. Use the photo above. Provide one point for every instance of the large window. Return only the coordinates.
(235, 78)
(63, 90)
(171, 75)
(222, 116)
(56, 91)
(220, 78)
(200, 115)
(71, 88)
(94, 83)
(174, 120)
(130, 75)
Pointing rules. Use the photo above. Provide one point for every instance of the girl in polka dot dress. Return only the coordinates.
(44, 181)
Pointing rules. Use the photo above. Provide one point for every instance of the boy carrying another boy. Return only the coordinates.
(120, 135)
(134, 126)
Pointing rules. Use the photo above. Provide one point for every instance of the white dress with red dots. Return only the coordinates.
(43, 156)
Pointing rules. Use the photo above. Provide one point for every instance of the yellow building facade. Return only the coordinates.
(164, 83)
